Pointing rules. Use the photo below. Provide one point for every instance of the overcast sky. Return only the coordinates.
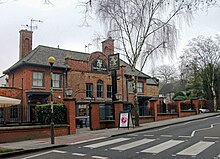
(62, 26)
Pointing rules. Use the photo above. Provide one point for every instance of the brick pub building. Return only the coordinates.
(78, 75)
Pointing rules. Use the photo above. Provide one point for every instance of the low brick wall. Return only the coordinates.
(187, 113)
(107, 124)
(166, 116)
(20, 133)
(146, 119)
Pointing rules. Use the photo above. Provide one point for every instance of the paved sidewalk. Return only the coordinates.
(84, 135)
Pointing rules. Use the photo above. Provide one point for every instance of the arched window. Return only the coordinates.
(100, 89)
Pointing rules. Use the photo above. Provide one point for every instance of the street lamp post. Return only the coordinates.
(51, 61)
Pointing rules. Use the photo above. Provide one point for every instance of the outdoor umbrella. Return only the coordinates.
(7, 102)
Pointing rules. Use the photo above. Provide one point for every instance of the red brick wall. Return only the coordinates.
(13, 134)
(152, 90)
(187, 113)
(148, 89)
(153, 105)
(78, 82)
(11, 92)
(108, 46)
(25, 75)
(95, 121)
(71, 114)
(81, 73)
(146, 119)
(118, 107)
(25, 43)
(166, 116)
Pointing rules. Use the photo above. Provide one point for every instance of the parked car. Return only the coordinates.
(203, 110)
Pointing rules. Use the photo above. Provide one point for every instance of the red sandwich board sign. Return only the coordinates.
(124, 119)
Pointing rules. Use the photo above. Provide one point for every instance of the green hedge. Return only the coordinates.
(43, 113)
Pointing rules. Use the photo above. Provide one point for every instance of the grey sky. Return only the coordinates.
(61, 26)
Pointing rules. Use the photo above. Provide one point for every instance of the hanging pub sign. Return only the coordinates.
(125, 119)
(113, 62)
(99, 65)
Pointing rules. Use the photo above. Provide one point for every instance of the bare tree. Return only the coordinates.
(203, 57)
(145, 28)
(185, 71)
(166, 73)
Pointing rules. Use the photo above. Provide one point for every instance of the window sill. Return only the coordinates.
(100, 98)
(57, 88)
(35, 87)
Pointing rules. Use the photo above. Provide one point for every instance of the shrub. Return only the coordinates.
(179, 96)
(43, 113)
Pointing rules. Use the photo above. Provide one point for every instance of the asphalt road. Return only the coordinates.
(196, 139)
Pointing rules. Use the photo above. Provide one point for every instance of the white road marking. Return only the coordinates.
(211, 137)
(196, 148)
(205, 119)
(79, 154)
(99, 157)
(166, 135)
(96, 145)
(80, 142)
(41, 154)
(37, 155)
(57, 151)
(163, 146)
(132, 144)
(212, 125)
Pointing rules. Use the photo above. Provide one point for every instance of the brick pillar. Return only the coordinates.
(178, 109)
(153, 105)
(71, 114)
(118, 106)
(7, 114)
(94, 116)
(196, 103)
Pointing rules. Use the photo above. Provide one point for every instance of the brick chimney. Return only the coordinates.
(25, 43)
(108, 46)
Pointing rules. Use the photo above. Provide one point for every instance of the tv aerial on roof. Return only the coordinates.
(31, 26)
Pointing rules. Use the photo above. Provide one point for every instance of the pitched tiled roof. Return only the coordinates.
(40, 54)
(129, 72)
(153, 81)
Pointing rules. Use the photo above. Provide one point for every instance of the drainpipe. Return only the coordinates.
(127, 88)
(65, 82)
(13, 79)
(22, 101)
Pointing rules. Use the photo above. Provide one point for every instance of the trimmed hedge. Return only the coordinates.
(43, 113)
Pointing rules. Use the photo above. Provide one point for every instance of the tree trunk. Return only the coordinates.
(213, 90)
(214, 99)
(136, 107)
